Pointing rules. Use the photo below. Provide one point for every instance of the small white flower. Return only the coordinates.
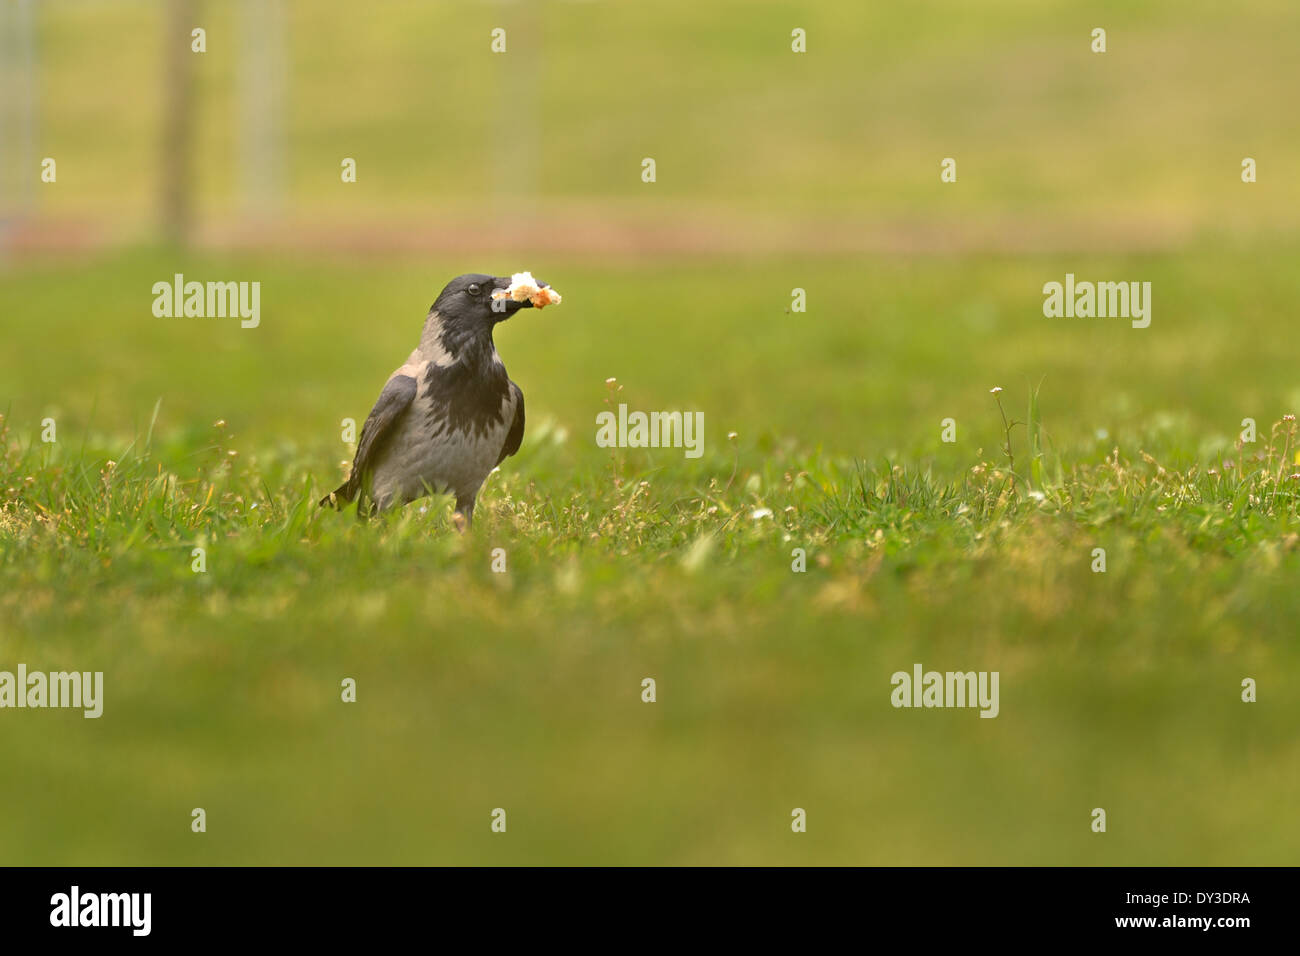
(995, 389)
(760, 513)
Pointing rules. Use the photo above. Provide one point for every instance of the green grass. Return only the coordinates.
(522, 690)
(1146, 136)
(823, 432)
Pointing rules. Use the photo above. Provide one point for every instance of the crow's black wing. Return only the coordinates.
(392, 405)
(515, 437)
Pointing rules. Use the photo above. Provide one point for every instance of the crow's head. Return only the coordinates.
(461, 320)
(466, 304)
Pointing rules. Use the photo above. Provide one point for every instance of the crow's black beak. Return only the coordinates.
(540, 284)
(509, 306)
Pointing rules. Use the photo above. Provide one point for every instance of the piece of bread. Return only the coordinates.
(545, 296)
(523, 287)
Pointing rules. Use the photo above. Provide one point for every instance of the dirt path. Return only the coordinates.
(620, 235)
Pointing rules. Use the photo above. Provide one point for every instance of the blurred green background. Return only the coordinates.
(775, 171)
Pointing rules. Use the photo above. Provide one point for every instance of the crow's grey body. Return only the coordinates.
(429, 451)
(448, 415)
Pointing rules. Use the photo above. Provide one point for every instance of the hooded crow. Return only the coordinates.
(449, 414)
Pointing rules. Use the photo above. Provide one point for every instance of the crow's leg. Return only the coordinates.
(367, 507)
(464, 514)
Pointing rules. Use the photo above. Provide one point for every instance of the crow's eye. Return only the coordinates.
(473, 289)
